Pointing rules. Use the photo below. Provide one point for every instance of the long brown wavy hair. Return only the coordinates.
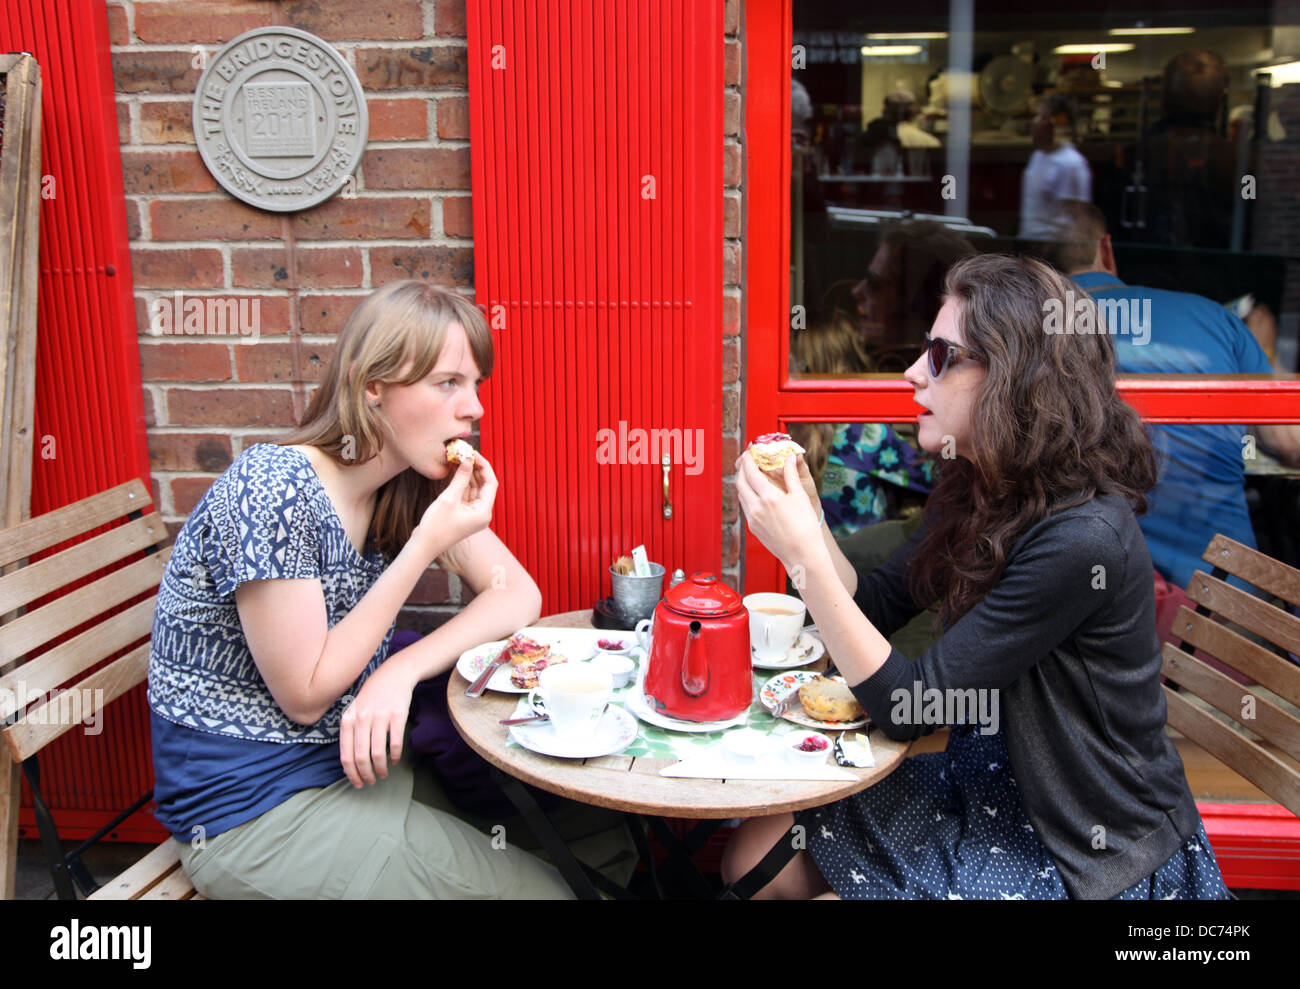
(1049, 430)
(398, 328)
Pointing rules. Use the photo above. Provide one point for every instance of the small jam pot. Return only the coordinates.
(807, 746)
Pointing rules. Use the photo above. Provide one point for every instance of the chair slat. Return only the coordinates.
(68, 660)
(38, 627)
(1261, 767)
(1254, 567)
(1246, 610)
(1235, 700)
(38, 579)
(54, 527)
(144, 875)
(29, 735)
(1277, 674)
(176, 886)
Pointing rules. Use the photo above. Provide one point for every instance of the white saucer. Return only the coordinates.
(808, 648)
(636, 703)
(615, 732)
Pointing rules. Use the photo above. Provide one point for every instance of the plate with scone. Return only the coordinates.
(824, 702)
(528, 658)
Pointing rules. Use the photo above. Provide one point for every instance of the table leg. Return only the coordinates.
(582, 879)
(637, 826)
(773, 862)
(681, 853)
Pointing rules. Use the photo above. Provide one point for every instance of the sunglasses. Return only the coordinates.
(942, 353)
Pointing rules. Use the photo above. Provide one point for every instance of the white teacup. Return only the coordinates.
(575, 695)
(775, 621)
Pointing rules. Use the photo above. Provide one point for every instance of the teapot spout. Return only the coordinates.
(695, 663)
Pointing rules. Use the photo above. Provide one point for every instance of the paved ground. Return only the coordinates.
(104, 861)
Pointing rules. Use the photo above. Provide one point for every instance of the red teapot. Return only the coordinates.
(698, 666)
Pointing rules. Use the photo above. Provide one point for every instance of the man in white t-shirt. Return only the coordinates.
(1056, 170)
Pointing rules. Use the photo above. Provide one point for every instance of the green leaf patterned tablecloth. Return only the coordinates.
(659, 743)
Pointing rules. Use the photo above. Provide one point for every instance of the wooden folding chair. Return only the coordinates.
(1256, 732)
(28, 669)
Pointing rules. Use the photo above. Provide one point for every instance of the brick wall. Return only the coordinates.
(207, 398)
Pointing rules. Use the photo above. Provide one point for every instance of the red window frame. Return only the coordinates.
(774, 400)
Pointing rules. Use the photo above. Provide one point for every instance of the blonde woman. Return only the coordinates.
(277, 716)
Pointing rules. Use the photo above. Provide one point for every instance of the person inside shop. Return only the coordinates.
(1074, 790)
(1056, 169)
(893, 143)
(278, 714)
(1191, 178)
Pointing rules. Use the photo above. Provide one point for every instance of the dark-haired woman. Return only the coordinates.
(1032, 555)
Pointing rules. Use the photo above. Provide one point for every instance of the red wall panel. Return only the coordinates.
(596, 145)
(89, 415)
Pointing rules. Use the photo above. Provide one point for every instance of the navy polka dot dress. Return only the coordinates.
(949, 825)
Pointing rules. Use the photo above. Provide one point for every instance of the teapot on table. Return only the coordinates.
(698, 665)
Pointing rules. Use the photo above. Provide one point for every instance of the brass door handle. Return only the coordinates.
(668, 505)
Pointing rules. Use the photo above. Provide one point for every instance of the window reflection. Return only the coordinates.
(914, 146)
(866, 472)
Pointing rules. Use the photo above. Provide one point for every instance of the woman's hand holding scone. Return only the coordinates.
(782, 519)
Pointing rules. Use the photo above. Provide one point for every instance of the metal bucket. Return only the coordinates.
(635, 597)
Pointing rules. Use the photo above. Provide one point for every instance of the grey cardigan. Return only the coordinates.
(1067, 635)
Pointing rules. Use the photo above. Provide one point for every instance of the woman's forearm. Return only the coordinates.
(350, 645)
(858, 648)
(493, 614)
(843, 568)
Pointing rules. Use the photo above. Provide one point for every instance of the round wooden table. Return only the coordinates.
(633, 785)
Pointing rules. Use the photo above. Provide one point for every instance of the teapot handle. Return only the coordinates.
(643, 634)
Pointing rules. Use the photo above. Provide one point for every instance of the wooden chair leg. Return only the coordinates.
(10, 792)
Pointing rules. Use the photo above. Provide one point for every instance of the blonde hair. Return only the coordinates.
(394, 336)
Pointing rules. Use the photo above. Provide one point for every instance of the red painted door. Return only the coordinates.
(596, 144)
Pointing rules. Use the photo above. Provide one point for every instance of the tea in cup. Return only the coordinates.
(775, 621)
(574, 695)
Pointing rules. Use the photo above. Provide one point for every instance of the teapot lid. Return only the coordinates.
(703, 594)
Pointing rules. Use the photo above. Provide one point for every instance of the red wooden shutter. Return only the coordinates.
(596, 144)
(89, 415)
(89, 401)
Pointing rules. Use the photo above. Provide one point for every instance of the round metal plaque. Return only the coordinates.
(280, 119)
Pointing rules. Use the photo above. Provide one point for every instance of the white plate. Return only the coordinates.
(638, 705)
(577, 645)
(774, 690)
(472, 662)
(615, 732)
(808, 648)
